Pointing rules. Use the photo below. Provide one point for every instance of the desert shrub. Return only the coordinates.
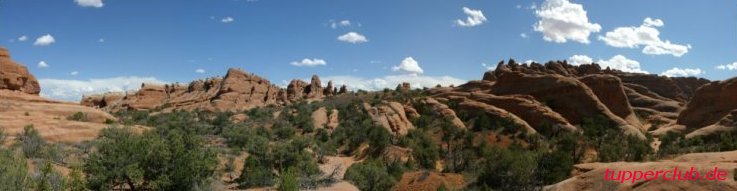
(370, 176)
(508, 169)
(288, 181)
(256, 173)
(155, 160)
(13, 172)
(79, 116)
(31, 142)
(48, 179)
(424, 149)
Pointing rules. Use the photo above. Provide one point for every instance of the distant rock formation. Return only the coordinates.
(20, 106)
(238, 90)
(559, 95)
(403, 87)
(15, 77)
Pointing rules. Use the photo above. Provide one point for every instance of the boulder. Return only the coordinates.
(390, 115)
(16, 77)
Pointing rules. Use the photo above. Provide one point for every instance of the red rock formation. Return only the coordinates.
(710, 103)
(404, 86)
(390, 115)
(15, 77)
(238, 90)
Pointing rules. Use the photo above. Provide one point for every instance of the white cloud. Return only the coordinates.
(622, 63)
(487, 67)
(528, 62)
(353, 37)
(391, 81)
(101, 40)
(646, 35)
(44, 40)
(561, 20)
(200, 71)
(23, 38)
(342, 23)
(677, 72)
(74, 73)
(408, 65)
(577, 60)
(72, 90)
(732, 66)
(43, 64)
(523, 35)
(227, 19)
(90, 3)
(475, 17)
(309, 62)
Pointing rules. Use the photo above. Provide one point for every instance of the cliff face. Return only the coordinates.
(238, 90)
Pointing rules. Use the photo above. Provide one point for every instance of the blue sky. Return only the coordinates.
(103, 45)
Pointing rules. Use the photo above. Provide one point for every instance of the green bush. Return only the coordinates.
(13, 172)
(164, 160)
(370, 176)
(79, 116)
(31, 142)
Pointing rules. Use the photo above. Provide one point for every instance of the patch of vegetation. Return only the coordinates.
(79, 116)
(370, 175)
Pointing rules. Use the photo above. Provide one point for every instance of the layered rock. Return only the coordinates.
(238, 90)
(16, 77)
(443, 110)
(611, 93)
(321, 118)
(390, 115)
(568, 96)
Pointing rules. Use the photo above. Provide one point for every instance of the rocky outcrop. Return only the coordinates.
(21, 106)
(16, 77)
(343, 89)
(727, 124)
(238, 90)
(496, 113)
(314, 90)
(428, 180)
(329, 90)
(443, 110)
(403, 87)
(571, 98)
(322, 119)
(589, 176)
(611, 93)
(710, 104)
(536, 114)
(390, 115)
(296, 89)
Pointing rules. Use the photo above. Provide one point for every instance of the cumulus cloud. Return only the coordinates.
(474, 18)
(391, 81)
(732, 66)
(622, 63)
(523, 35)
(101, 40)
(90, 3)
(74, 73)
(579, 59)
(678, 72)
(408, 65)
(309, 62)
(646, 35)
(561, 20)
(200, 71)
(72, 90)
(353, 37)
(227, 19)
(23, 38)
(42, 64)
(44, 40)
